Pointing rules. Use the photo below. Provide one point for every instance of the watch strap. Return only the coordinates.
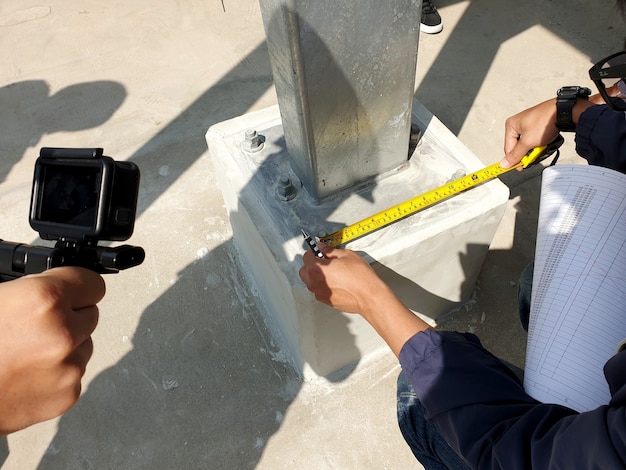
(565, 100)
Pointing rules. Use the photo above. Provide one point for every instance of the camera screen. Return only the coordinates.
(70, 195)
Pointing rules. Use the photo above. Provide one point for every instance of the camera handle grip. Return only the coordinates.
(19, 259)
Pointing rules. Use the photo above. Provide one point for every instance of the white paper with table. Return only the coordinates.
(578, 306)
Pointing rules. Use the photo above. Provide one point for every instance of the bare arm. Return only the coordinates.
(346, 282)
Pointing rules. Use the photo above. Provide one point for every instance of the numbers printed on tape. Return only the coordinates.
(427, 199)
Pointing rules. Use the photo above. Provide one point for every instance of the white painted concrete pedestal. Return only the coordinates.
(431, 259)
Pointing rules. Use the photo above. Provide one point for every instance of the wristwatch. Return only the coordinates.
(565, 100)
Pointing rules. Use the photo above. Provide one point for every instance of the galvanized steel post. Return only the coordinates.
(344, 73)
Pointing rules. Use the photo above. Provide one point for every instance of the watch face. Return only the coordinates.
(574, 91)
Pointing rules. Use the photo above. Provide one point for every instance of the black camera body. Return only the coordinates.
(81, 195)
(79, 198)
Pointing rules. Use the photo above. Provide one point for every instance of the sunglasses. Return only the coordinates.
(609, 75)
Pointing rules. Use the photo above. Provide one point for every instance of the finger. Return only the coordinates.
(515, 156)
(511, 139)
(329, 251)
(61, 306)
(309, 257)
(508, 161)
(55, 404)
(79, 358)
(80, 287)
(68, 331)
(69, 373)
(82, 324)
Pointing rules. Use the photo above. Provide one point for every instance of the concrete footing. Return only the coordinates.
(431, 259)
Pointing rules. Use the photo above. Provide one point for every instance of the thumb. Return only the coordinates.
(507, 162)
(327, 250)
(514, 156)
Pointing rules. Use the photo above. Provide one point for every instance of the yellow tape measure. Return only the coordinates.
(418, 203)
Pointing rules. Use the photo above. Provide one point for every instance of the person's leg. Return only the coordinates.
(430, 449)
(523, 294)
(431, 20)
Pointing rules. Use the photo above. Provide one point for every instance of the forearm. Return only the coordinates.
(579, 107)
(347, 282)
(394, 322)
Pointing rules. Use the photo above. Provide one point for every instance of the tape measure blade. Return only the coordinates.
(413, 205)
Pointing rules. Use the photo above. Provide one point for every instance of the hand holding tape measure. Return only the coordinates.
(429, 198)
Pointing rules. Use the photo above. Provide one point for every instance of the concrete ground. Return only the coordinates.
(185, 374)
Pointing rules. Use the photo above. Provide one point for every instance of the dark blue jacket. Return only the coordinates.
(479, 405)
(601, 137)
(481, 409)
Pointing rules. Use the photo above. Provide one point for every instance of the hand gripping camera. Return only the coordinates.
(79, 197)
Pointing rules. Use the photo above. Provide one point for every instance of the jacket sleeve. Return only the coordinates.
(601, 137)
(481, 409)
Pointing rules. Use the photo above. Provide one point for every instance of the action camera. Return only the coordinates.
(79, 197)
